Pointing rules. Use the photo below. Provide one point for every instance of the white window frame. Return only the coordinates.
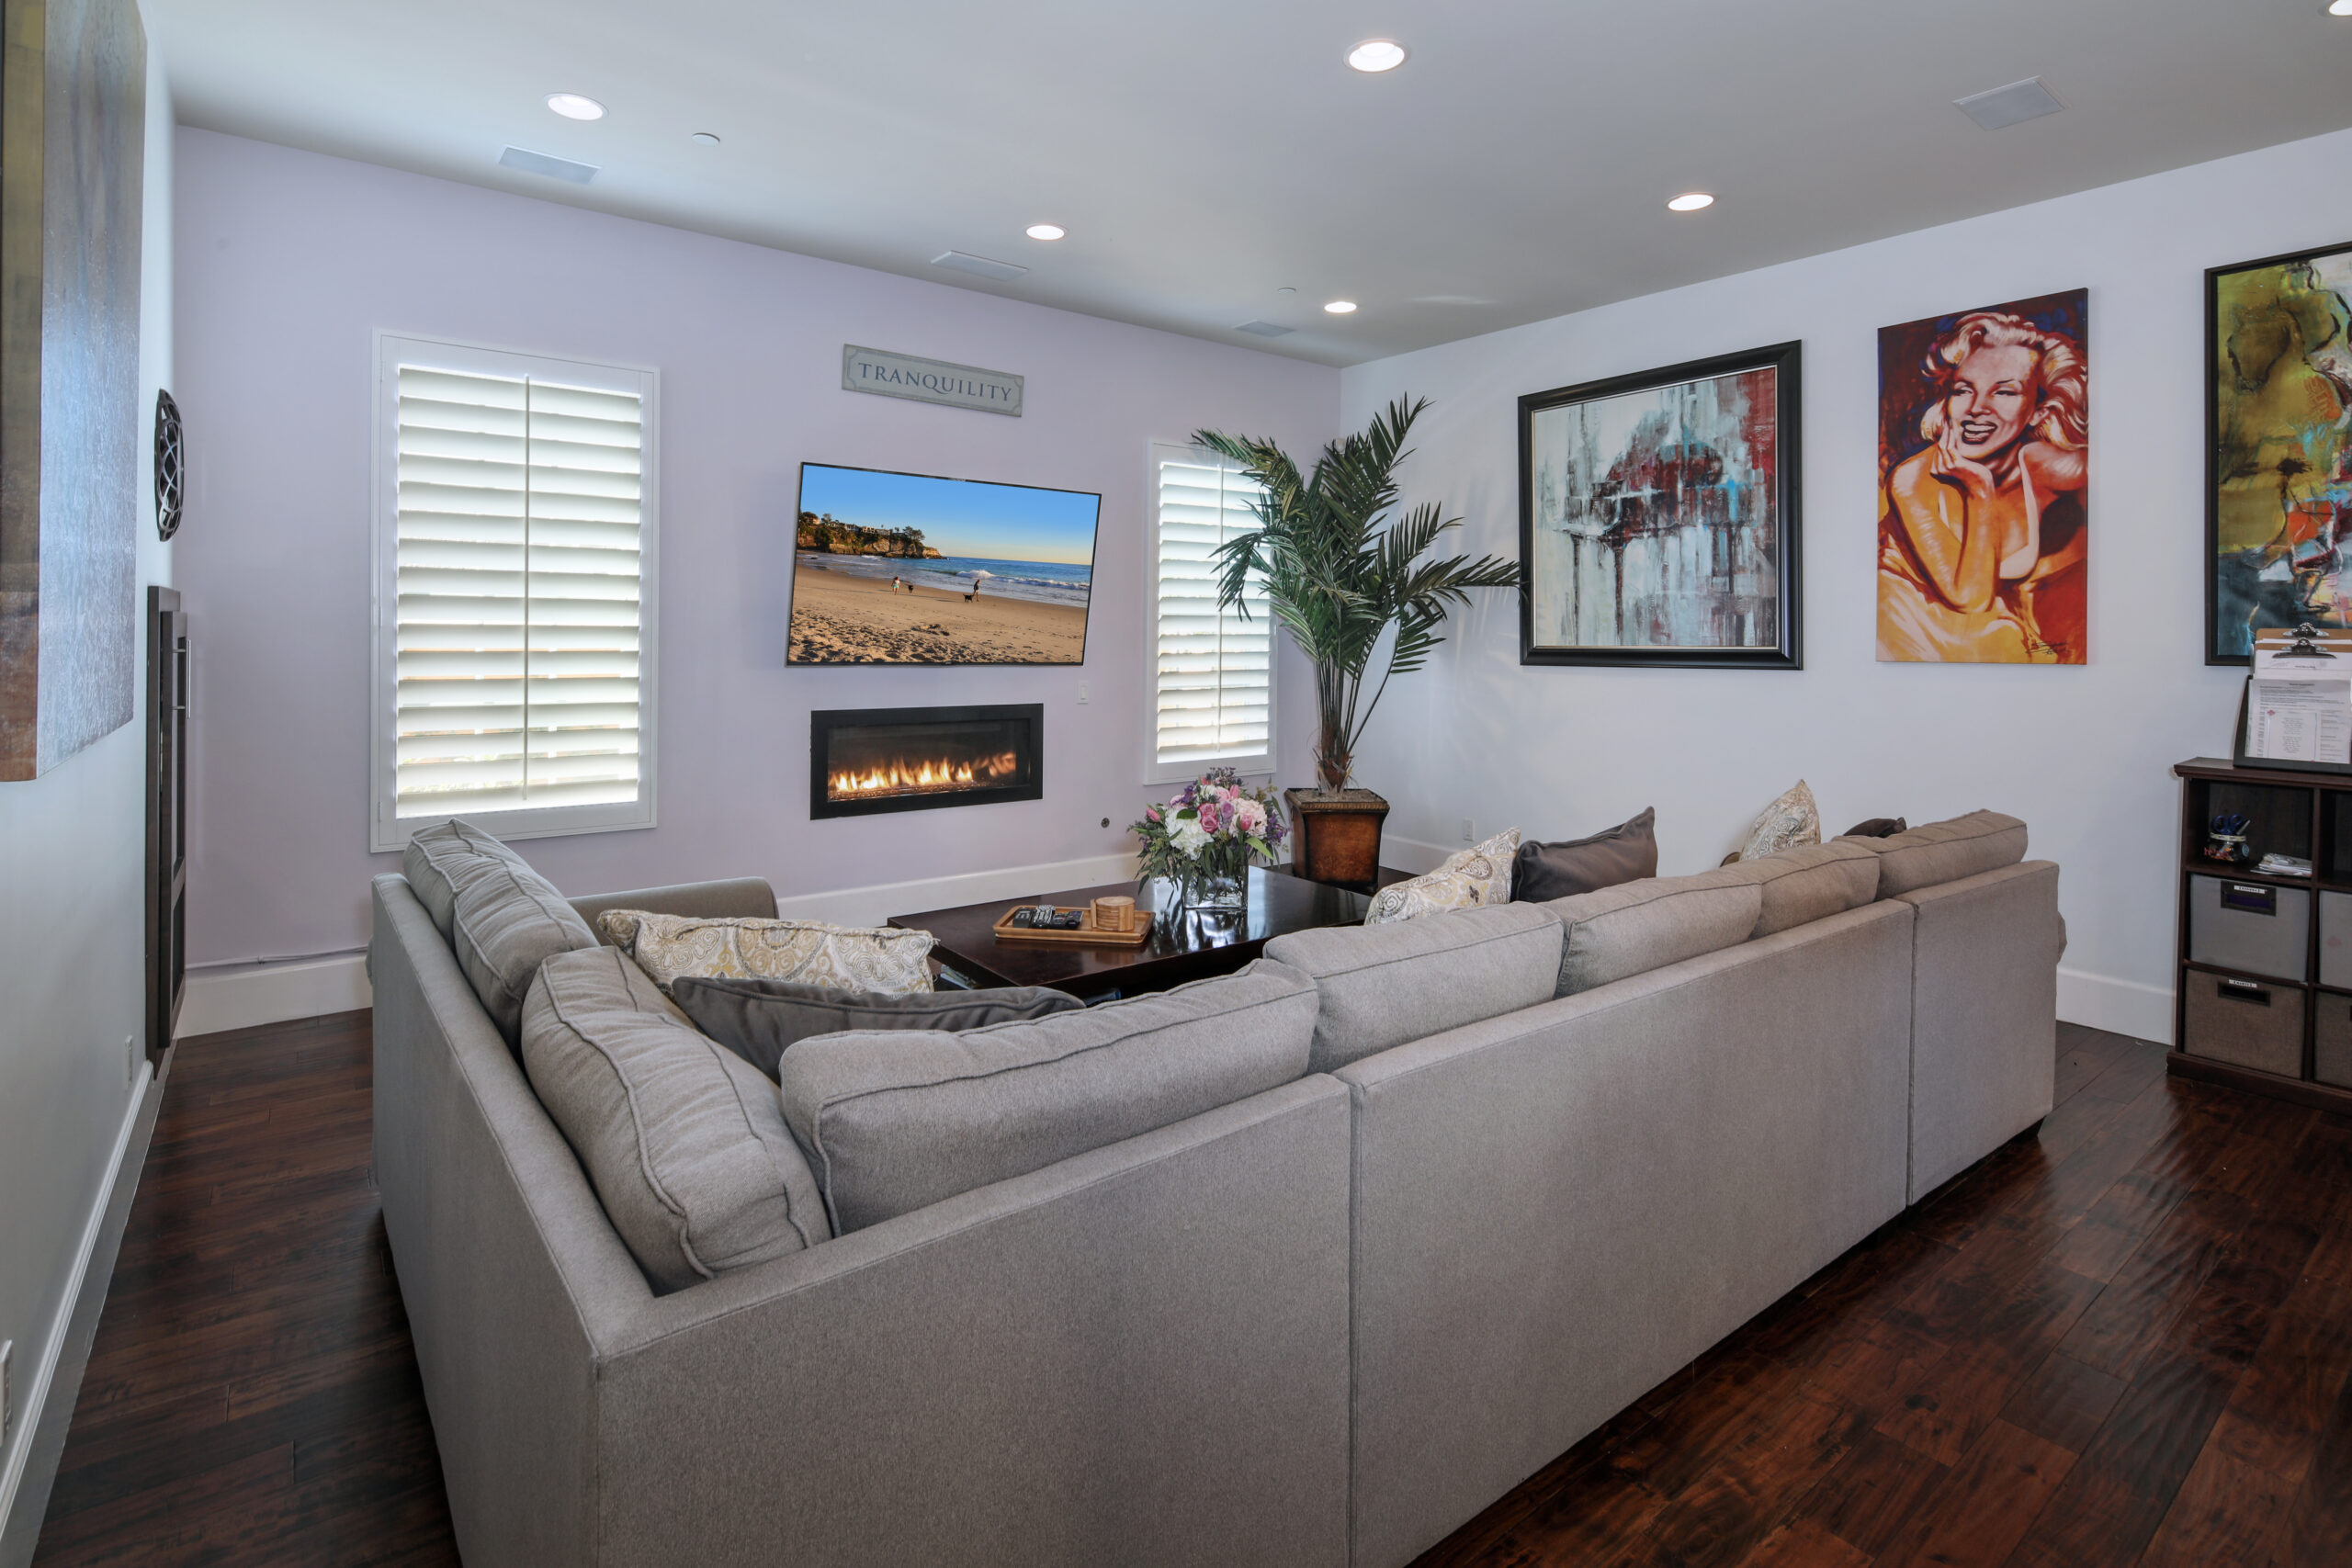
(387, 830)
(1249, 764)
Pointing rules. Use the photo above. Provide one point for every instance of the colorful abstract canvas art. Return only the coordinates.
(1984, 443)
(1658, 517)
(2278, 448)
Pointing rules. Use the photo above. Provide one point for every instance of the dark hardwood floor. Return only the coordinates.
(2124, 1341)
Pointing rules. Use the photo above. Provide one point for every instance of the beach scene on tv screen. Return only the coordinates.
(903, 568)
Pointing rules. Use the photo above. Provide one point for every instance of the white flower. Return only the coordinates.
(1188, 838)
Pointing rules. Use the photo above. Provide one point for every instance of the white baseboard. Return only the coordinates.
(1411, 855)
(241, 996)
(2119, 1006)
(31, 1392)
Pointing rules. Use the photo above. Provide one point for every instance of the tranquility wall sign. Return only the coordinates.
(929, 381)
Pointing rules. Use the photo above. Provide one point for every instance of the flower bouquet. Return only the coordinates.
(1204, 840)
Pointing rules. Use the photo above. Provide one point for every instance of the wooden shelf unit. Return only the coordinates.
(2291, 812)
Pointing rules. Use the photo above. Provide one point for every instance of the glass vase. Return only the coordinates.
(1216, 883)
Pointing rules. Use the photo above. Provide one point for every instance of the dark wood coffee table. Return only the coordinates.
(1184, 947)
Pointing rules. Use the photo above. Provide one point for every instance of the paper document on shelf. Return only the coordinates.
(2298, 719)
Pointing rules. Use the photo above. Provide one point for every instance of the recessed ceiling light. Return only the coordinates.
(1377, 54)
(2340, 9)
(1340, 306)
(1285, 289)
(1044, 231)
(575, 106)
(703, 139)
(1690, 202)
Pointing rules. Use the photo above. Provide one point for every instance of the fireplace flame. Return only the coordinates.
(922, 776)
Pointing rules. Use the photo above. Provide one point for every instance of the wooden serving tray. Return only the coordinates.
(1086, 935)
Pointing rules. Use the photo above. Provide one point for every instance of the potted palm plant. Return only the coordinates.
(1339, 573)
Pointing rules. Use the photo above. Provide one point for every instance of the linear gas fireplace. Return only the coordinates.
(867, 760)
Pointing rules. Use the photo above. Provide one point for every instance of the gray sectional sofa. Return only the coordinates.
(1539, 1156)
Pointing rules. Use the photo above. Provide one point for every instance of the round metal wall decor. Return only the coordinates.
(170, 466)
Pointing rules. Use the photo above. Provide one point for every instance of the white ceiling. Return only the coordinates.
(1203, 156)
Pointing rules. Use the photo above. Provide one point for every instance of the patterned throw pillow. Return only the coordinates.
(881, 960)
(1479, 875)
(1790, 820)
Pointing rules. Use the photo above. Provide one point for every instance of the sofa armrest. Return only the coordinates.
(740, 897)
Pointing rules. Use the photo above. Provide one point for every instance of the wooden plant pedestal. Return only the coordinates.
(1336, 836)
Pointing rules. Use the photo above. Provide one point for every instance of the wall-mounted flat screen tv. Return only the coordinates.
(905, 568)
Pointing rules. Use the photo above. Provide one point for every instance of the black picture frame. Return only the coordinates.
(2213, 475)
(1786, 361)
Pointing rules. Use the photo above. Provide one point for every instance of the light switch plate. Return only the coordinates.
(1081, 692)
(1469, 834)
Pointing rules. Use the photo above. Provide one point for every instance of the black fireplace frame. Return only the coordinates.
(822, 722)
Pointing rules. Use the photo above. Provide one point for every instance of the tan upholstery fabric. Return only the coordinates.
(682, 1139)
(1946, 852)
(897, 1120)
(881, 960)
(1638, 926)
(503, 918)
(1379, 986)
(1811, 882)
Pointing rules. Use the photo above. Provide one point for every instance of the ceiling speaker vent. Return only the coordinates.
(2012, 105)
(978, 267)
(1265, 329)
(541, 164)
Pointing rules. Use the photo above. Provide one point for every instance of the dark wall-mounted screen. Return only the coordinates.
(904, 569)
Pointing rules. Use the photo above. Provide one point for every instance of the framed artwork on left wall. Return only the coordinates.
(1658, 517)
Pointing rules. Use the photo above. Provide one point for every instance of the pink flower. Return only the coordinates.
(1151, 814)
(1250, 815)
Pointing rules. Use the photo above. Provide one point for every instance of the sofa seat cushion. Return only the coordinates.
(896, 1121)
(503, 918)
(1639, 926)
(1627, 852)
(1946, 852)
(1809, 883)
(683, 1139)
(758, 1020)
(879, 960)
(1379, 987)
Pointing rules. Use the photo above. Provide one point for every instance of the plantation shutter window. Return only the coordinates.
(514, 625)
(1213, 665)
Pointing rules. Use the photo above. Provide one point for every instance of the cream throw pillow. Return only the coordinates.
(1790, 820)
(879, 960)
(1479, 875)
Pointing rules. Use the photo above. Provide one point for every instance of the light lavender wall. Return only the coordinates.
(2081, 753)
(290, 262)
(73, 849)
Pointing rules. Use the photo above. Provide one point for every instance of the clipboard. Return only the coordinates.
(2333, 646)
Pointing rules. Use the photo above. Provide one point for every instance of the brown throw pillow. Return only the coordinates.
(757, 1018)
(1626, 852)
(1876, 828)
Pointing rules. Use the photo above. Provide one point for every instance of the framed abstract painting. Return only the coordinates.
(1983, 448)
(2278, 447)
(1658, 517)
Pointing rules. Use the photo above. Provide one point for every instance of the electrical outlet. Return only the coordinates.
(7, 1388)
(1469, 834)
(1083, 698)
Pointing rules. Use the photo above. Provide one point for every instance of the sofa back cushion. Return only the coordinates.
(682, 1138)
(1379, 987)
(1639, 926)
(1946, 852)
(896, 1121)
(503, 918)
(758, 1020)
(1810, 882)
